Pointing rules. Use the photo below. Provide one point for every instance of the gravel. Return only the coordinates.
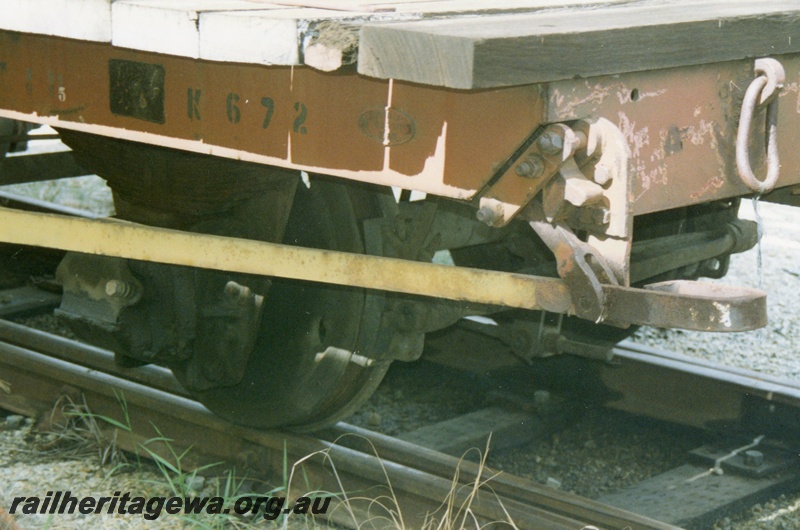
(769, 350)
(34, 463)
(605, 450)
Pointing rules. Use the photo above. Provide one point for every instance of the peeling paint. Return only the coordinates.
(597, 94)
(724, 313)
(714, 183)
(637, 139)
(790, 88)
(624, 94)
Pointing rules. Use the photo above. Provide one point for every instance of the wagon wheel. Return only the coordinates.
(286, 384)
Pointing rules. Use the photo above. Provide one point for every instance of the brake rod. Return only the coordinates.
(683, 304)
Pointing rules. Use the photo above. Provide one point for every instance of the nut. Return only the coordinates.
(532, 167)
(119, 289)
(601, 174)
(550, 143)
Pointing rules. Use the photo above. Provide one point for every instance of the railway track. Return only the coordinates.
(44, 368)
(421, 479)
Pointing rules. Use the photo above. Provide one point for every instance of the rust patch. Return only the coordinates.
(673, 143)
(681, 125)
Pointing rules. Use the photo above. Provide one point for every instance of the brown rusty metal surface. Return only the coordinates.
(297, 117)
(584, 279)
(421, 479)
(681, 127)
(683, 304)
(680, 303)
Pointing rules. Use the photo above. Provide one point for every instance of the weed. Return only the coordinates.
(378, 507)
(384, 511)
(84, 423)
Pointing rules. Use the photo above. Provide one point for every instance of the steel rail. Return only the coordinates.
(696, 392)
(629, 359)
(676, 388)
(766, 386)
(420, 478)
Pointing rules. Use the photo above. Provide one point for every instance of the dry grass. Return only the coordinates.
(384, 511)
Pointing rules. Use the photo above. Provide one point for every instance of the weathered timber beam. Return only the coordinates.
(503, 50)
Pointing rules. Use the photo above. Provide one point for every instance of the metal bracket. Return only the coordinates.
(529, 173)
(582, 269)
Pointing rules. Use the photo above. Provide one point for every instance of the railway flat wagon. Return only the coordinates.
(305, 188)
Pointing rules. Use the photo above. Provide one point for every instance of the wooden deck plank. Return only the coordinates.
(76, 19)
(502, 50)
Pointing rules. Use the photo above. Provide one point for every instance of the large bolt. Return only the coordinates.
(531, 168)
(550, 143)
(119, 289)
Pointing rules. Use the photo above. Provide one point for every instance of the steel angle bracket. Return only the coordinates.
(527, 174)
(688, 305)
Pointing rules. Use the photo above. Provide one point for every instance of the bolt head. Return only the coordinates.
(550, 143)
(601, 216)
(524, 169)
(234, 290)
(484, 215)
(487, 215)
(601, 174)
(540, 397)
(115, 288)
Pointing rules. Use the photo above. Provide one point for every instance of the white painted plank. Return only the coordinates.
(165, 26)
(437, 6)
(75, 19)
(441, 7)
(278, 36)
(292, 36)
(262, 37)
